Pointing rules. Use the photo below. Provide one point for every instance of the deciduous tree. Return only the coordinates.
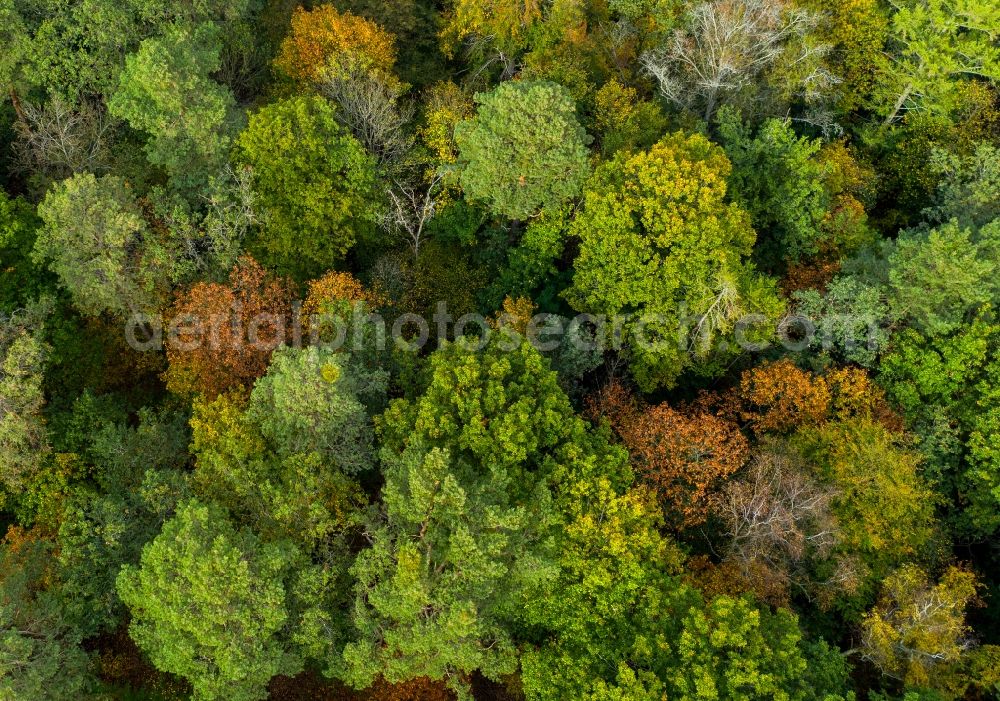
(883, 503)
(166, 91)
(97, 240)
(310, 401)
(24, 442)
(779, 178)
(970, 186)
(313, 182)
(40, 653)
(22, 279)
(918, 626)
(947, 388)
(650, 221)
(727, 50)
(224, 334)
(324, 41)
(684, 455)
(939, 277)
(779, 526)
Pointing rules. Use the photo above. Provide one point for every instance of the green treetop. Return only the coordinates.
(524, 150)
(659, 241)
(208, 603)
(313, 182)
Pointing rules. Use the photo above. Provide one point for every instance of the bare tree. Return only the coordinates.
(728, 46)
(369, 106)
(411, 207)
(58, 139)
(779, 516)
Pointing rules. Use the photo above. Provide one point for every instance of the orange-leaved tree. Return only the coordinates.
(221, 336)
(333, 299)
(780, 397)
(684, 454)
(335, 288)
(324, 40)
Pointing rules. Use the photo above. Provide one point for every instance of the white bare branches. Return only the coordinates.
(411, 207)
(368, 105)
(727, 47)
(59, 139)
(778, 516)
(776, 512)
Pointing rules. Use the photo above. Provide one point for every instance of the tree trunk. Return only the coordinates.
(18, 109)
(899, 105)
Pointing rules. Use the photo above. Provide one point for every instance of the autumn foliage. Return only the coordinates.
(222, 336)
(780, 397)
(684, 454)
(335, 287)
(324, 39)
(418, 689)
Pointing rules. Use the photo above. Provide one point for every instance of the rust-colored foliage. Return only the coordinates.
(337, 287)
(18, 537)
(682, 454)
(813, 274)
(419, 689)
(222, 336)
(780, 397)
(324, 39)
(731, 578)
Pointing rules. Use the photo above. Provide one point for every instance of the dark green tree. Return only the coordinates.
(314, 185)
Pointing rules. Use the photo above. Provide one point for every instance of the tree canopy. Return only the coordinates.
(520, 350)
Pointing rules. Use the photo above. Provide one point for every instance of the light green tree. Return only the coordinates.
(934, 45)
(938, 277)
(612, 558)
(166, 91)
(209, 603)
(524, 150)
(429, 586)
(284, 459)
(948, 386)
(659, 242)
(97, 241)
